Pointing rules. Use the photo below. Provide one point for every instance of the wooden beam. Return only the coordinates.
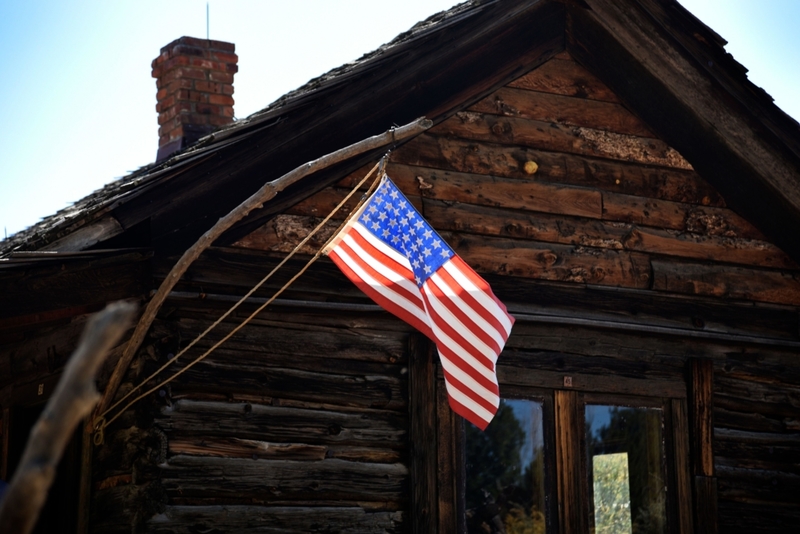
(682, 465)
(702, 431)
(448, 480)
(571, 494)
(422, 435)
(701, 374)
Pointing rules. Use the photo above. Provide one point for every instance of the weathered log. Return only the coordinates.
(73, 400)
(545, 261)
(756, 485)
(757, 450)
(565, 77)
(605, 383)
(753, 518)
(462, 155)
(382, 349)
(374, 429)
(727, 282)
(272, 519)
(284, 480)
(554, 137)
(368, 391)
(732, 414)
(554, 108)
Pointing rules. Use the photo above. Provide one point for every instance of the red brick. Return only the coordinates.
(221, 77)
(233, 69)
(165, 104)
(166, 116)
(197, 74)
(162, 94)
(194, 119)
(208, 87)
(225, 57)
(217, 120)
(208, 64)
(224, 100)
(176, 85)
(192, 96)
(160, 59)
(227, 89)
(207, 109)
(180, 61)
(226, 111)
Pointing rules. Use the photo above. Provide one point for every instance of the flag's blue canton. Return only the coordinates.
(391, 217)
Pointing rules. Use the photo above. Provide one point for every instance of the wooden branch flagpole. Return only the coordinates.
(264, 194)
(72, 400)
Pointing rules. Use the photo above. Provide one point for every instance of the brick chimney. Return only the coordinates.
(195, 87)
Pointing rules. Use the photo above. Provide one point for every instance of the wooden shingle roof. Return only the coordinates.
(666, 66)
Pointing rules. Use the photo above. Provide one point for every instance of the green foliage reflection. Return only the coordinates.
(638, 434)
(501, 495)
(612, 494)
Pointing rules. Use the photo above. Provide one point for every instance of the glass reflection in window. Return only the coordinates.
(505, 489)
(625, 449)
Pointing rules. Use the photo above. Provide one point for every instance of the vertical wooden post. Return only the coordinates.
(681, 454)
(422, 435)
(85, 488)
(702, 438)
(447, 470)
(571, 499)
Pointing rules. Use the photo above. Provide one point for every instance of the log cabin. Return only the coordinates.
(629, 194)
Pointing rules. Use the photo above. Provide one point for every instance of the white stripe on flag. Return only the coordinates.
(467, 335)
(485, 300)
(470, 312)
(411, 307)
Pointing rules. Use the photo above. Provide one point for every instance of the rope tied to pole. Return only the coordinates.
(100, 422)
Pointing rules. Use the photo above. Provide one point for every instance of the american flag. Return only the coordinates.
(394, 256)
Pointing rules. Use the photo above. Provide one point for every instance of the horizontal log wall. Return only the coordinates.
(298, 422)
(757, 444)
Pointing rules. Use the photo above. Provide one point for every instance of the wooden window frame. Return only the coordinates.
(564, 440)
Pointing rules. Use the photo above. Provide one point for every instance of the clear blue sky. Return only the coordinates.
(77, 102)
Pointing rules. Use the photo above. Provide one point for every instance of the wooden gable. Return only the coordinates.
(552, 178)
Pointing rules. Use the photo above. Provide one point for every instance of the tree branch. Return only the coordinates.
(72, 401)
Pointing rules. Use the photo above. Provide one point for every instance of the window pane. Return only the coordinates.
(505, 471)
(625, 450)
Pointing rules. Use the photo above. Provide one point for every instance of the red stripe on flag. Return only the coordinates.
(383, 301)
(444, 325)
(473, 304)
(467, 322)
(481, 284)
